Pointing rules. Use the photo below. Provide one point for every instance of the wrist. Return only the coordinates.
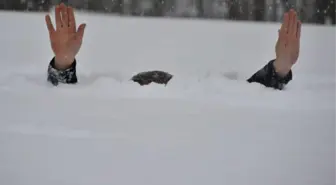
(63, 62)
(280, 68)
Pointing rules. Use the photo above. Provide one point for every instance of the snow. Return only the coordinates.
(206, 127)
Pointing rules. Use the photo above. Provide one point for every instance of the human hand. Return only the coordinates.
(65, 40)
(288, 45)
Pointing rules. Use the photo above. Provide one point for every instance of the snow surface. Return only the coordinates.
(207, 127)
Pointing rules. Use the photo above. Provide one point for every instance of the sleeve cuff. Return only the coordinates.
(67, 76)
(282, 81)
(268, 77)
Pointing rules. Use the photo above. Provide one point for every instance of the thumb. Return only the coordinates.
(280, 35)
(49, 24)
(80, 31)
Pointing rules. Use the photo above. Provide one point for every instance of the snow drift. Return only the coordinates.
(206, 127)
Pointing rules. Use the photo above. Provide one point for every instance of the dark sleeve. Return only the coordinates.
(67, 76)
(269, 78)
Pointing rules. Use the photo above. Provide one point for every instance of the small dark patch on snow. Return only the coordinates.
(145, 78)
(231, 75)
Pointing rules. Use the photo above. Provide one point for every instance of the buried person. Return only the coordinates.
(66, 41)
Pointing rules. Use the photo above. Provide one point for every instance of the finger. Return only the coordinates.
(58, 17)
(80, 32)
(284, 29)
(290, 29)
(298, 32)
(50, 26)
(72, 20)
(65, 17)
(285, 23)
(294, 23)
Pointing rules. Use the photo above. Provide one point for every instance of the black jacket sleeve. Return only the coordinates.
(269, 78)
(56, 76)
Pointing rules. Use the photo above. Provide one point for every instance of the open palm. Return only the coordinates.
(288, 45)
(65, 40)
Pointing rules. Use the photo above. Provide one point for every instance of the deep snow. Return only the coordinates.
(207, 127)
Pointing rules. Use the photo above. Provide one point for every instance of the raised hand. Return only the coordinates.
(288, 45)
(66, 39)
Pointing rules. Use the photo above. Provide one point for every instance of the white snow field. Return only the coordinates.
(206, 127)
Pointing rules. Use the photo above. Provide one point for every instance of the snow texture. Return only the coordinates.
(207, 127)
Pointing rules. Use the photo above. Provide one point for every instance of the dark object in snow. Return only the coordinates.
(145, 78)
